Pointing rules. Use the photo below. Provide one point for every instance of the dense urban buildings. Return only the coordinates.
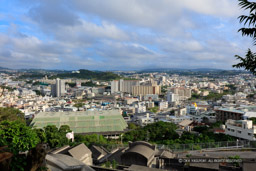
(120, 110)
(123, 85)
(127, 85)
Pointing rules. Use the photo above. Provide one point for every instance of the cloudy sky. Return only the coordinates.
(120, 34)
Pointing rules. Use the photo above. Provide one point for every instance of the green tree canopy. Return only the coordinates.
(132, 126)
(11, 114)
(89, 140)
(55, 137)
(156, 132)
(249, 21)
(19, 138)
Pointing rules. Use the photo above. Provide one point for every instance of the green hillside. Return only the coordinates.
(86, 74)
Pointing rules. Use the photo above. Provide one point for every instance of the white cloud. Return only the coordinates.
(122, 34)
(156, 14)
(87, 32)
(220, 8)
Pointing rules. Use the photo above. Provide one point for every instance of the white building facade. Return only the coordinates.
(243, 129)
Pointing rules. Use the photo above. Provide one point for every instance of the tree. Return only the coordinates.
(249, 61)
(55, 137)
(89, 140)
(78, 105)
(132, 126)
(253, 120)
(41, 135)
(153, 109)
(64, 129)
(11, 114)
(114, 164)
(19, 138)
(38, 92)
(157, 132)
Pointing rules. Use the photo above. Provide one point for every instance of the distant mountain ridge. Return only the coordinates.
(1, 68)
(181, 69)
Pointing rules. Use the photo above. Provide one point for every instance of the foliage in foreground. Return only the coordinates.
(19, 138)
(249, 61)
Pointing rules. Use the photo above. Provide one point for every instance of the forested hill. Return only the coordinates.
(86, 74)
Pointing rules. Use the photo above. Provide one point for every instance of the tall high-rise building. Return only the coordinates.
(114, 86)
(123, 85)
(60, 87)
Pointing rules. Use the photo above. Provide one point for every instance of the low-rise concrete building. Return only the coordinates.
(243, 129)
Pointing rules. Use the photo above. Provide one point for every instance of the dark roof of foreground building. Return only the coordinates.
(114, 155)
(59, 162)
(83, 121)
(143, 148)
(98, 152)
(80, 152)
(139, 153)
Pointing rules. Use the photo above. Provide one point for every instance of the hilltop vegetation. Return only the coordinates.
(164, 133)
(86, 74)
(83, 74)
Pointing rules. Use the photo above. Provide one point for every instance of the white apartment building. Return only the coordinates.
(114, 86)
(140, 108)
(144, 120)
(171, 97)
(60, 87)
(243, 129)
(163, 105)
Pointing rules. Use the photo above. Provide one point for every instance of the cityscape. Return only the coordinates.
(110, 86)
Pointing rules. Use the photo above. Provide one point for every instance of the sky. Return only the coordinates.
(120, 34)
